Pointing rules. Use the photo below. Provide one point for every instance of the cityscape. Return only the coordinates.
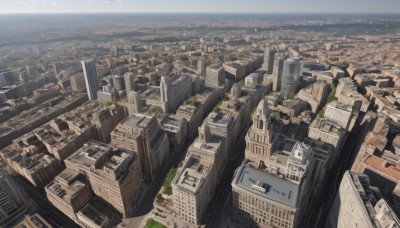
(222, 118)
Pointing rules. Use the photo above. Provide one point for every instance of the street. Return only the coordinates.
(144, 205)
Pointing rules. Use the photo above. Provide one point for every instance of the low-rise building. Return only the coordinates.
(28, 158)
(68, 193)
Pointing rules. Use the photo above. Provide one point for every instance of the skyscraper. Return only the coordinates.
(269, 57)
(290, 76)
(92, 84)
(129, 82)
(277, 72)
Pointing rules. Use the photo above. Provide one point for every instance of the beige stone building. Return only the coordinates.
(339, 113)
(27, 157)
(176, 130)
(357, 204)
(68, 193)
(60, 140)
(327, 131)
(91, 216)
(195, 183)
(258, 138)
(267, 199)
(193, 115)
(315, 95)
(114, 175)
(273, 186)
(142, 134)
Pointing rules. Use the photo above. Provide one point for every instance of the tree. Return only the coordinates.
(168, 180)
(151, 223)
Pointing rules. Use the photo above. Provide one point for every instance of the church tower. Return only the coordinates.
(259, 136)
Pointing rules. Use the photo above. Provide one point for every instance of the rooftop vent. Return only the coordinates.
(259, 187)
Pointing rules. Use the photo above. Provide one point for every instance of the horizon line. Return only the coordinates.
(199, 12)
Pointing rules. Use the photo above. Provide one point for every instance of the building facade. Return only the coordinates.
(290, 76)
(269, 58)
(195, 183)
(114, 175)
(357, 204)
(92, 82)
(277, 72)
(215, 76)
(339, 113)
(174, 90)
(142, 134)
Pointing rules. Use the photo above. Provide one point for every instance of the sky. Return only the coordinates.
(200, 6)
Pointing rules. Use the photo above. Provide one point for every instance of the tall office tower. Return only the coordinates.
(290, 76)
(357, 204)
(277, 72)
(201, 67)
(269, 57)
(92, 83)
(142, 134)
(215, 76)
(129, 82)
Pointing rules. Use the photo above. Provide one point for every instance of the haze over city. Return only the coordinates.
(205, 6)
(188, 114)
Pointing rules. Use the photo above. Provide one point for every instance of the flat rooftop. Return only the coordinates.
(193, 175)
(65, 192)
(141, 121)
(211, 146)
(219, 118)
(326, 126)
(267, 186)
(94, 214)
(109, 164)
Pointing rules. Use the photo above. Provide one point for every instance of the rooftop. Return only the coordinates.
(326, 126)
(383, 166)
(211, 146)
(267, 185)
(193, 174)
(100, 159)
(219, 118)
(93, 214)
(65, 191)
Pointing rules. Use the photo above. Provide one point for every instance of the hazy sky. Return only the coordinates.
(346, 6)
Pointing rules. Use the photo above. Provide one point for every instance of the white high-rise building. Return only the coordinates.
(339, 113)
(92, 83)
